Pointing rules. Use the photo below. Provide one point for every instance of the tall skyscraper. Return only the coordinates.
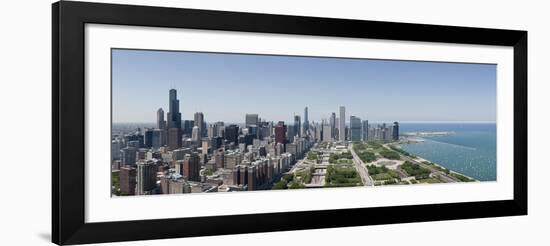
(161, 123)
(148, 138)
(192, 167)
(212, 131)
(174, 115)
(327, 132)
(174, 138)
(395, 131)
(173, 131)
(342, 124)
(384, 132)
(333, 125)
(195, 135)
(355, 128)
(127, 178)
(128, 156)
(232, 134)
(306, 121)
(157, 138)
(188, 127)
(297, 125)
(116, 145)
(365, 130)
(251, 119)
(146, 177)
(280, 132)
(199, 122)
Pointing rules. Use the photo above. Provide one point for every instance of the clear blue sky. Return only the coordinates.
(227, 86)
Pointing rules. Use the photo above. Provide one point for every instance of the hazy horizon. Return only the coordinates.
(225, 87)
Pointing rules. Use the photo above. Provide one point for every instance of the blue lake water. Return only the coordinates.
(470, 149)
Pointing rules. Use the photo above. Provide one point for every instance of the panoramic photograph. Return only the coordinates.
(200, 122)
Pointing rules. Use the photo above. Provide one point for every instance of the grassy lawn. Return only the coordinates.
(305, 176)
(336, 158)
(312, 156)
(362, 150)
(382, 173)
(345, 161)
(442, 169)
(115, 185)
(415, 170)
(392, 155)
(341, 176)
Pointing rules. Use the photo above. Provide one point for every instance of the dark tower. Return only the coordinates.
(280, 132)
(174, 131)
(174, 115)
(395, 131)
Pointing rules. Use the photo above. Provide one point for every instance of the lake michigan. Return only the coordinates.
(470, 148)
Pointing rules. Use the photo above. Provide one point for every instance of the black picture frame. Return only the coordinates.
(68, 107)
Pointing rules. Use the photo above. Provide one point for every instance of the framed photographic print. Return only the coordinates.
(175, 122)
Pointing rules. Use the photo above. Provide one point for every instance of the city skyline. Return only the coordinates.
(141, 79)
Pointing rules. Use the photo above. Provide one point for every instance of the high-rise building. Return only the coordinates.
(188, 127)
(195, 134)
(395, 131)
(146, 176)
(174, 138)
(116, 145)
(216, 142)
(221, 129)
(192, 167)
(199, 122)
(205, 145)
(306, 121)
(232, 134)
(128, 156)
(175, 184)
(212, 130)
(327, 133)
(280, 132)
(342, 124)
(173, 131)
(251, 119)
(355, 128)
(297, 126)
(161, 124)
(232, 159)
(333, 124)
(365, 130)
(253, 130)
(219, 158)
(384, 132)
(127, 179)
(148, 138)
(174, 115)
(290, 133)
(251, 184)
(157, 139)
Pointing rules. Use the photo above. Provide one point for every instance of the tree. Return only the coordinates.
(296, 185)
(288, 177)
(281, 185)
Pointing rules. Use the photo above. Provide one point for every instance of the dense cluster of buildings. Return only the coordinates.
(191, 156)
(336, 129)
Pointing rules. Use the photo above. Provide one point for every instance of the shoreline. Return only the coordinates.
(421, 159)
